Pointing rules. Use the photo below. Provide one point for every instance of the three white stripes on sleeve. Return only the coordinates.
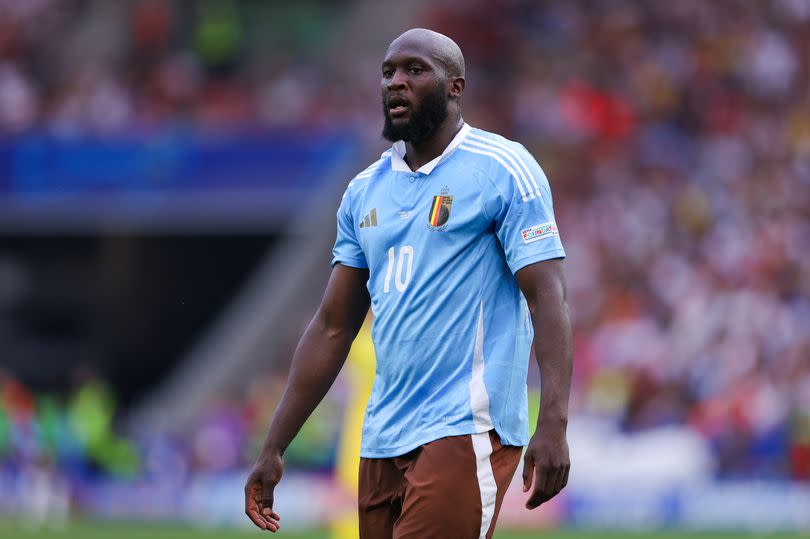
(509, 159)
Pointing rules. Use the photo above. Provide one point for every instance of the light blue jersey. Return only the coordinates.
(452, 332)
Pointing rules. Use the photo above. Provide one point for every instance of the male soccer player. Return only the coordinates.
(444, 236)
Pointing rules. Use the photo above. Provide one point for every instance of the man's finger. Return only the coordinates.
(270, 517)
(542, 479)
(252, 511)
(269, 514)
(267, 506)
(272, 525)
(256, 518)
(537, 494)
(252, 494)
(537, 497)
(565, 476)
(553, 474)
(528, 472)
(268, 486)
(544, 485)
(560, 482)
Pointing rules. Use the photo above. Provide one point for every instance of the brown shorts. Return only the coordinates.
(451, 488)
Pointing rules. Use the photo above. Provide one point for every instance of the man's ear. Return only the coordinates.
(457, 86)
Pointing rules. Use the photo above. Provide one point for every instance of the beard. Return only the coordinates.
(424, 121)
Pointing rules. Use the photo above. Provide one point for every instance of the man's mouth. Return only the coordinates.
(397, 106)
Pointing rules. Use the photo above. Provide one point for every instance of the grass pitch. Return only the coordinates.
(140, 530)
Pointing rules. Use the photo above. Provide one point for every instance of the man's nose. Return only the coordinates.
(397, 80)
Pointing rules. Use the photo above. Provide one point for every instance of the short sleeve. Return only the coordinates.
(347, 249)
(524, 216)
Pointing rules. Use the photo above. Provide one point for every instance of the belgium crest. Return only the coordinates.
(440, 209)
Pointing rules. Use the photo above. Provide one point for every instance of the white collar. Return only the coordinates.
(398, 163)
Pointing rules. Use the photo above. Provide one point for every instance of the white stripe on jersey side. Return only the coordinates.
(482, 446)
(508, 156)
(479, 398)
(509, 169)
(515, 154)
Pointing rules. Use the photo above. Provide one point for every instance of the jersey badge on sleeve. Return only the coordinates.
(538, 232)
(440, 211)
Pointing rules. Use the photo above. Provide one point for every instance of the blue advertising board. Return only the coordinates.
(183, 180)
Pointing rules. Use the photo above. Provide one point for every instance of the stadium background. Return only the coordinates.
(169, 173)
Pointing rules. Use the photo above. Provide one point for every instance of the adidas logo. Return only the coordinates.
(370, 219)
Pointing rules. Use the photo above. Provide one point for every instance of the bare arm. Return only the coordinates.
(318, 358)
(543, 285)
(320, 354)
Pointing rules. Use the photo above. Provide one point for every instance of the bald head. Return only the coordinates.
(422, 83)
(440, 47)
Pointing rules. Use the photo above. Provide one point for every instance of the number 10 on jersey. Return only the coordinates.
(404, 263)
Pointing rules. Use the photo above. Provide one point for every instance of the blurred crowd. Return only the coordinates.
(79, 67)
(74, 432)
(676, 137)
(83, 435)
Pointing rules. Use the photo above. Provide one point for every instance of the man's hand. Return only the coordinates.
(262, 480)
(546, 461)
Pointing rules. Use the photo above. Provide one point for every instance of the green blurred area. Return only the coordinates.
(117, 530)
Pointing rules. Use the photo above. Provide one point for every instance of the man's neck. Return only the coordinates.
(431, 148)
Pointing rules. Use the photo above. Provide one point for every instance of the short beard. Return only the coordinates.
(424, 121)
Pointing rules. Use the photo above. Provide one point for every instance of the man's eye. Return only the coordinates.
(416, 70)
(387, 73)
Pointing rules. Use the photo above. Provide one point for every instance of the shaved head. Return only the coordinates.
(443, 49)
